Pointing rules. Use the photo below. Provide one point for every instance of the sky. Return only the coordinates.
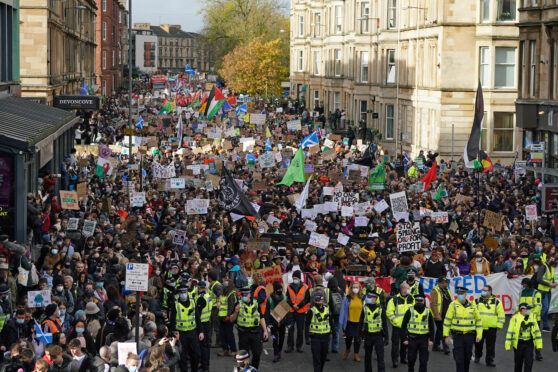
(182, 12)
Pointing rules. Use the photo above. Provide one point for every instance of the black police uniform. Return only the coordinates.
(418, 329)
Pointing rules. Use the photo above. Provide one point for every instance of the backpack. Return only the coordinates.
(337, 300)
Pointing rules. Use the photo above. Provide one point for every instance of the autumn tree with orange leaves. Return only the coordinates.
(256, 68)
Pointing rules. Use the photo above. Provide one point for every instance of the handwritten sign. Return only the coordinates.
(258, 244)
(69, 200)
(179, 237)
(531, 212)
(81, 189)
(381, 206)
(318, 240)
(493, 220)
(197, 206)
(280, 311)
(137, 199)
(38, 298)
(88, 228)
(178, 183)
(408, 237)
(73, 224)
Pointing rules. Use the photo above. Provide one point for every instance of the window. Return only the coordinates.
(119, 57)
(389, 121)
(316, 98)
(317, 24)
(364, 67)
(364, 17)
(119, 16)
(503, 131)
(104, 30)
(301, 26)
(484, 133)
(363, 109)
(113, 60)
(392, 14)
(484, 66)
(316, 62)
(337, 59)
(338, 19)
(532, 67)
(104, 59)
(506, 10)
(485, 10)
(104, 87)
(553, 69)
(300, 60)
(104, 5)
(504, 71)
(337, 100)
(522, 68)
(390, 78)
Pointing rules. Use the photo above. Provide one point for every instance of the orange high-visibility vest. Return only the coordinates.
(263, 305)
(297, 298)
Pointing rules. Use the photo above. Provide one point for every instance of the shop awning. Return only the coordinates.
(25, 124)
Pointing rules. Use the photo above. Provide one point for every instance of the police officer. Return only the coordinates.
(298, 297)
(215, 291)
(493, 317)
(464, 323)
(5, 305)
(250, 324)
(320, 323)
(533, 298)
(370, 284)
(204, 306)
(185, 319)
(440, 298)
(396, 308)
(524, 335)
(415, 287)
(168, 294)
(374, 330)
(418, 333)
(243, 362)
(545, 278)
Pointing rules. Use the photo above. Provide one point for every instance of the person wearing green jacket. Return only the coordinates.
(399, 273)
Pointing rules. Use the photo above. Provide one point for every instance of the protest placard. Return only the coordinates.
(258, 244)
(493, 220)
(197, 206)
(294, 125)
(258, 119)
(280, 311)
(310, 225)
(178, 183)
(137, 199)
(267, 160)
(88, 228)
(318, 240)
(38, 298)
(328, 155)
(361, 221)
(361, 208)
(327, 191)
(491, 243)
(125, 348)
(293, 197)
(398, 202)
(347, 211)
(73, 224)
(531, 212)
(69, 200)
(81, 189)
(381, 206)
(345, 198)
(179, 237)
(408, 237)
(342, 239)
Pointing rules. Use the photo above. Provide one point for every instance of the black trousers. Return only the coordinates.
(397, 347)
(463, 350)
(205, 347)
(439, 336)
(418, 346)
(374, 341)
(523, 356)
(251, 341)
(215, 326)
(297, 319)
(488, 338)
(319, 346)
(278, 336)
(190, 350)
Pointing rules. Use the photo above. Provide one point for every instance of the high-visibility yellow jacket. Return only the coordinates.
(524, 329)
(463, 318)
(397, 307)
(491, 312)
(532, 297)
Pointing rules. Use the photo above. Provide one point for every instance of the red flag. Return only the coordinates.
(231, 100)
(430, 176)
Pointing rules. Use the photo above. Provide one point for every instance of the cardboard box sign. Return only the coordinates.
(493, 220)
(280, 311)
(258, 244)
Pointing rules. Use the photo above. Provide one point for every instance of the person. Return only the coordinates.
(418, 333)
(415, 287)
(465, 325)
(204, 305)
(185, 321)
(80, 361)
(101, 362)
(545, 279)
(335, 312)
(229, 300)
(319, 327)
(259, 292)
(250, 324)
(131, 365)
(440, 298)
(374, 330)
(493, 317)
(215, 291)
(396, 308)
(243, 362)
(51, 324)
(533, 298)
(278, 328)
(523, 335)
(370, 284)
(351, 311)
(298, 297)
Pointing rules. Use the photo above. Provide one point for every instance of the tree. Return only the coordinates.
(256, 68)
(229, 23)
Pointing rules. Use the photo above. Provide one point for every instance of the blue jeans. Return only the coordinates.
(545, 302)
(335, 334)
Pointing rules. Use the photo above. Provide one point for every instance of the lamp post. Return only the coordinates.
(130, 124)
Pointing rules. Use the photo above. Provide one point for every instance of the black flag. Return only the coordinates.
(231, 198)
(367, 159)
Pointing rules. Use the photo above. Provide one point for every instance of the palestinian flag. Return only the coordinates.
(165, 108)
(215, 102)
(485, 162)
(473, 145)
(194, 104)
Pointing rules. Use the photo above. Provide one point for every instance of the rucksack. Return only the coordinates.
(337, 300)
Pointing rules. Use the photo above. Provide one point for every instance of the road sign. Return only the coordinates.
(137, 276)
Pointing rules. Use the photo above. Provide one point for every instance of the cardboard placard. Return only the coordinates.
(280, 311)
(258, 244)
(491, 243)
(81, 189)
(493, 220)
(408, 237)
(38, 298)
(69, 200)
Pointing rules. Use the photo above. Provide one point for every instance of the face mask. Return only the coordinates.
(80, 330)
(133, 369)
(61, 312)
(355, 290)
(405, 293)
(158, 272)
(225, 286)
(343, 224)
(447, 236)
(538, 249)
(524, 255)
(483, 293)
(296, 281)
(143, 314)
(99, 285)
(513, 257)
(59, 289)
(368, 301)
(59, 244)
(183, 296)
(54, 251)
(479, 259)
(452, 264)
(20, 321)
(461, 298)
(528, 312)
(420, 306)
(246, 299)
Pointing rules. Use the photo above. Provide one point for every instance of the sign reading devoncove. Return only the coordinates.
(77, 102)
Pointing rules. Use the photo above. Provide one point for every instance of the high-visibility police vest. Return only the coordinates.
(534, 300)
(397, 307)
(206, 311)
(521, 329)
(3, 320)
(249, 315)
(319, 325)
(167, 293)
(547, 277)
(373, 319)
(462, 318)
(418, 322)
(224, 309)
(492, 314)
(212, 294)
(326, 292)
(263, 305)
(185, 317)
(193, 292)
(298, 297)
(414, 289)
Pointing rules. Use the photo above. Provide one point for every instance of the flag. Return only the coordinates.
(226, 107)
(377, 178)
(251, 160)
(216, 101)
(295, 172)
(439, 193)
(430, 176)
(165, 108)
(195, 103)
(406, 159)
(301, 201)
(104, 167)
(139, 123)
(231, 198)
(231, 100)
(180, 128)
(485, 161)
(310, 140)
(472, 148)
(268, 145)
(203, 107)
(367, 159)
(45, 338)
(242, 108)
(267, 132)
(190, 70)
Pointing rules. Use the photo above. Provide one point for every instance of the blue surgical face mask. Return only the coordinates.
(461, 297)
(368, 301)
(20, 321)
(61, 312)
(54, 251)
(183, 296)
(296, 281)
(527, 312)
(133, 369)
(246, 299)
(405, 293)
(99, 285)
(483, 294)
(80, 330)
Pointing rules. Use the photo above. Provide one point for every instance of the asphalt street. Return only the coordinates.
(437, 360)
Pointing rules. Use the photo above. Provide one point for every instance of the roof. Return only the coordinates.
(24, 123)
(173, 32)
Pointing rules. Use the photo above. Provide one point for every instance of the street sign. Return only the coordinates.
(137, 276)
(404, 136)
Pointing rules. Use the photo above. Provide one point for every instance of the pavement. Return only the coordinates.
(303, 361)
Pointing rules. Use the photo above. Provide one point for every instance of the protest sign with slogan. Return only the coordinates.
(491, 243)
(69, 200)
(408, 237)
(38, 298)
(258, 119)
(197, 206)
(294, 125)
(137, 199)
(280, 311)
(398, 202)
(81, 189)
(179, 237)
(178, 183)
(342, 239)
(258, 244)
(531, 212)
(271, 275)
(88, 228)
(73, 224)
(493, 220)
(381, 206)
(267, 160)
(318, 240)
(345, 199)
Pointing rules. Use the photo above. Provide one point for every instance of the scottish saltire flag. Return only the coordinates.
(268, 144)
(45, 338)
(310, 140)
(242, 108)
(406, 159)
(139, 123)
(190, 70)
